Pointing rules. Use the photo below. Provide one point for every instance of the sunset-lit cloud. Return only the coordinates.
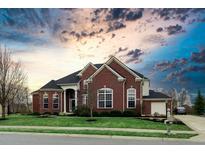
(164, 44)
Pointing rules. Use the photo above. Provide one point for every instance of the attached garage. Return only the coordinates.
(158, 107)
(156, 102)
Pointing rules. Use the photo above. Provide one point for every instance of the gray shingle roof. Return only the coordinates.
(154, 94)
(51, 85)
(73, 78)
(139, 74)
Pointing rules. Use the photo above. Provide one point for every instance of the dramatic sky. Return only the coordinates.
(166, 45)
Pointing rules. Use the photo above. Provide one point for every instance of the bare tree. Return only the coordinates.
(12, 78)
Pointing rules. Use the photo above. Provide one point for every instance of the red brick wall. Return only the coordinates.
(130, 81)
(36, 103)
(50, 102)
(86, 74)
(108, 79)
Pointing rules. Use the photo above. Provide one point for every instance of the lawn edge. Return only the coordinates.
(97, 132)
(101, 136)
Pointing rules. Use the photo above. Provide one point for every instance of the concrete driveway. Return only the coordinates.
(196, 123)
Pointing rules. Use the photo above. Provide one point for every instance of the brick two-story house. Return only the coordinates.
(109, 86)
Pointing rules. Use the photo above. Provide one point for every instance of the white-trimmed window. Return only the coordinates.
(45, 101)
(85, 99)
(105, 98)
(55, 101)
(131, 98)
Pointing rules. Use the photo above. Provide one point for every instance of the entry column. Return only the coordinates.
(76, 98)
(65, 101)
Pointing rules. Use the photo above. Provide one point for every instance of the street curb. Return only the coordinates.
(100, 128)
(102, 136)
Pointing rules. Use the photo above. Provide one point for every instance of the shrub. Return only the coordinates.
(156, 114)
(46, 113)
(83, 111)
(96, 114)
(115, 113)
(34, 113)
(104, 114)
(129, 113)
(55, 113)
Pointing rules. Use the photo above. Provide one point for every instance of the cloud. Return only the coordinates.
(180, 73)
(198, 57)
(174, 29)
(181, 14)
(160, 29)
(134, 55)
(134, 15)
(124, 14)
(166, 65)
(116, 25)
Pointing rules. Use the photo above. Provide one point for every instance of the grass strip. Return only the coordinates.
(103, 122)
(100, 132)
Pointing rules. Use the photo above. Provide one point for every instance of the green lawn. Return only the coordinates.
(100, 132)
(105, 122)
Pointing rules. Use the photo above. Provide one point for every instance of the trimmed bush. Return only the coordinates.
(83, 111)
(55, 113)
(34, 113)
(96, 114)
(129, 113)
(115, 113)
(46, 113)
(104, 114)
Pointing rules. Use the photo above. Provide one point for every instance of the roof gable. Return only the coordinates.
(85, 68)
(120, 78)
(137, 75)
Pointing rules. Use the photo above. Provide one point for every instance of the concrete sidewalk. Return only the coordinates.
(98, 128)
(196, 123)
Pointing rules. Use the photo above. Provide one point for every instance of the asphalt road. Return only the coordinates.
(44, 139)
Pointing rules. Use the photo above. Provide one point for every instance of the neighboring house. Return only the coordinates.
(109, 86)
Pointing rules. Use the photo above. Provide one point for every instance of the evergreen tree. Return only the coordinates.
(199, 105)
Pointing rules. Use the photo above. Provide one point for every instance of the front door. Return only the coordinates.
(72, 105)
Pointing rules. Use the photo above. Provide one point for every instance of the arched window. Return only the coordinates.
(131, 98)
(105, 98)
(45, 101)
(55, 101)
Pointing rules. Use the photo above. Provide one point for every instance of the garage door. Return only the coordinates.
(158, 107)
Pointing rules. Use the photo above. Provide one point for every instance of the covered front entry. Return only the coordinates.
(70, 100)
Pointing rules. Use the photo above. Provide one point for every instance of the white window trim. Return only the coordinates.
(45, 96)
(55, 103)
(104, 94)
(128, 99)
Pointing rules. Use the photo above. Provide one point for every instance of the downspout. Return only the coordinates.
(61, 101)
(141, 93)
(123, 91)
